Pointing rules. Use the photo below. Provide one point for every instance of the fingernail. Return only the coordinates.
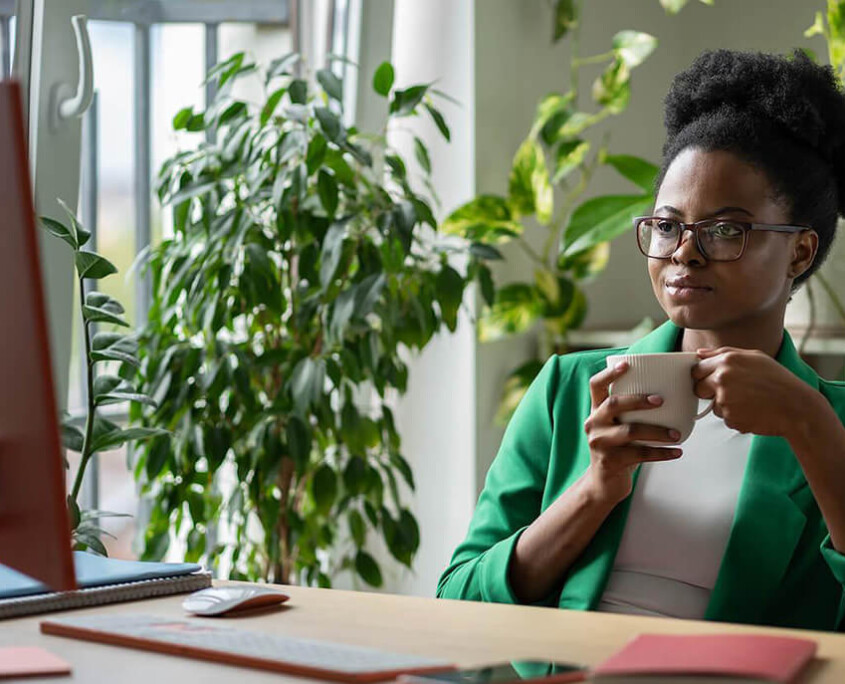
(655, 399)
(674, 434)
(621, 365)
(677, 453)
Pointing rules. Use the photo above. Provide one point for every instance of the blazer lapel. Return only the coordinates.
(768, 521)
(585, 582)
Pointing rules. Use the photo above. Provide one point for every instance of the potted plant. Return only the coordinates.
(301, 265)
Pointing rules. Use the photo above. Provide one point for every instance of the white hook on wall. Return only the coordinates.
(68, 104)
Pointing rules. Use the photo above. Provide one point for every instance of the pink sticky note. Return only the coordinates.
(29, 661)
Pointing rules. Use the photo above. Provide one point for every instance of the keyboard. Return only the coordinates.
(199, 639)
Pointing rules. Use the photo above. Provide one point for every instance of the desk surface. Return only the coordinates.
(466, 633)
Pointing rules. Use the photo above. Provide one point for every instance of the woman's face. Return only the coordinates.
(710, 295)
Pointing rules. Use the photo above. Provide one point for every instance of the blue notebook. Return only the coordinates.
(100, 580)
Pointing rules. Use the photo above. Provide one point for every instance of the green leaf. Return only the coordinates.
(383, 79)
(368, 569)
(105, 383)
(488, 289)
(633, 47)
(817, 29)
(450, 289)
(516, 384)
(327, 190)
(635, 169)
(517, 306)
(94, 314)
(331, 84)
(307, 382)
(584, 265)
(324, 489)
(298, 439)
(115, 438)
(108, 346)
(331, 253)
(565, 19)
(74, 514)
(328, 122)
(183, 116)
(60, 230)
(422, 155)
(91, 265)
(156, 458)
(72, 437)
(100, 300)
(298, 91)
(271, 104)
(486, 218)
(196, 123)
(357, 528)
(601, 219)
(282, 66)
(552, 112)
(570, 155)
(355, 475)
(82, 235)
(613, 88)
(673, 6)
(482, 251)
(439, 121)
(529, 188)
(405, 101)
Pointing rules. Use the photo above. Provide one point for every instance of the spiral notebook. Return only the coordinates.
(101, 581)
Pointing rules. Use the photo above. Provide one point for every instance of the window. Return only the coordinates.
(149, 59)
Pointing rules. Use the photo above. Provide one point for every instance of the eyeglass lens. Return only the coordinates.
(719, 241)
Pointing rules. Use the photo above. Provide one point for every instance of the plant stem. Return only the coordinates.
(574, 61)
(89, 419)
(595, 59)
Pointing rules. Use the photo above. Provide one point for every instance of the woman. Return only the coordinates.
(745, 521)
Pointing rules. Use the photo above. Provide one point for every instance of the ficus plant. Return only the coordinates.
(110, 358)
(549, 176)
(303, 265)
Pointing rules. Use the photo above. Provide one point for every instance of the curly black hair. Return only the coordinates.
(783, 115)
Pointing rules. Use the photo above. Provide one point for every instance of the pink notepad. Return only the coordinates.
(29, 662)
(746, 657)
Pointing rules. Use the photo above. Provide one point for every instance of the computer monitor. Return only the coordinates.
(34, 526)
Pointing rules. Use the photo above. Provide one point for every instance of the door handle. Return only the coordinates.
(68, 104)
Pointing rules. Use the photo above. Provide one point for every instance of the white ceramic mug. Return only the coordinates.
(668, 375)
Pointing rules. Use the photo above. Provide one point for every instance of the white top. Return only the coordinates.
(678, 526)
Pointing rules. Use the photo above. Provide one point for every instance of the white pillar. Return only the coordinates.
(434, 41)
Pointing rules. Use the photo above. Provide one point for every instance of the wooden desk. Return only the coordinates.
(464, 632)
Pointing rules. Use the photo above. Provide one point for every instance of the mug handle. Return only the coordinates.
(707, 410)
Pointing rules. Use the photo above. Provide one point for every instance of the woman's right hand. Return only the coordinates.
(613, 459)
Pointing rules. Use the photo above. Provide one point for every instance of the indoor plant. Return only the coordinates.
(561, 152)
(296, 273)
(110, 359)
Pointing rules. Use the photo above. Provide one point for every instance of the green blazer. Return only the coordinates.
(779, 567)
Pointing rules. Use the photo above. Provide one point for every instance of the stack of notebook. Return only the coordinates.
(100, 580)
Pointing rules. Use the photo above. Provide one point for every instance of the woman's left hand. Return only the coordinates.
(753, 392)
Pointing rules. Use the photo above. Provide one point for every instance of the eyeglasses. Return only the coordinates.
(716, 239)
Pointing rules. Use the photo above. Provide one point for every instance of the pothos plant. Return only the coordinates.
(830, 25)
(110, 359)
(560, 155)
(301, 265)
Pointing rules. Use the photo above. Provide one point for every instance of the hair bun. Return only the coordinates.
(801, 98)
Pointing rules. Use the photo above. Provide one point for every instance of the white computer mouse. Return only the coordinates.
(231, 599)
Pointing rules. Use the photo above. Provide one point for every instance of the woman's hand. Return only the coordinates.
(752, 392)
(613, 458)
